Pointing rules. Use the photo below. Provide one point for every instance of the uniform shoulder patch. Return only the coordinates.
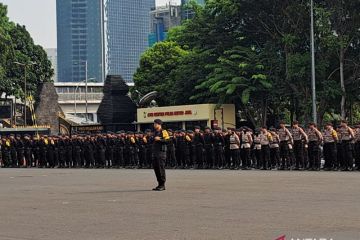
(165, 135)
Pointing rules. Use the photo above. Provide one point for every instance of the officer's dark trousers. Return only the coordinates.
(227, 156)
(235, 155)
(171, 157)
(257, 154)
(20, 156)
(275, 157)
(298, 152)
(209, 155)
(159, 159)
(265, 153)
(199, 155)
(329, 155)
(43, 158)
(62, 157)
(219, 156)
(142, 157)
(347, 155)
(314, 158)
(284, 154)
(245, 157)
(357, 155)
(28, 157)
(339, 156)
(14, 162)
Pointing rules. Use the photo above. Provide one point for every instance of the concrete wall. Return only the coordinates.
(184, 113)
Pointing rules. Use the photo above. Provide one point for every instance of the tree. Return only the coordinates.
(16, 45)
(341, 21)
(256, 54)
(156, 65)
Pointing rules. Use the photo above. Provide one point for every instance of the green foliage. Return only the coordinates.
(156, 65)
(256, 54)
(16, 45)
(236, 76)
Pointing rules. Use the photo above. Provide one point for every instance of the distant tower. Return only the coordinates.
(52, 56)
(162, 19)
(80, 39)
(186, 13)
(127, 31)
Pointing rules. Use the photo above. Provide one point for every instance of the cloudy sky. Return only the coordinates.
(39, 17)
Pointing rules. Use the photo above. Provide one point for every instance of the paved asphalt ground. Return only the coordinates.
(61, 204)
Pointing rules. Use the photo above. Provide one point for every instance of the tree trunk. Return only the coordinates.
(263, 111)
(342, 83)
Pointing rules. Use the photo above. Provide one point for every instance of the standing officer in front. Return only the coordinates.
(161, 137)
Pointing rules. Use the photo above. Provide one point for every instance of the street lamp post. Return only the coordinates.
(313, 74)
(86, 88)
(25, 65)
(75, 91)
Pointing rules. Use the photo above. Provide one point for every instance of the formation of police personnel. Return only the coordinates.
(293, 148)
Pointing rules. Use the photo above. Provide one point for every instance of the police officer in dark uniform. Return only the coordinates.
(20, 150)
(101, 148)
(346, 135)
(44, 142)
(330, 152)
(69, 152)
(209, 147)
(149, 142)
(284, 138)
(62, 150)
(171, 156)
(161, 137)
(119, 150)
(315, 138)
(109, 153)
(5, 149)
(183, 144)
(27, 150)
(219, 143)
(198, 143)
(77, 146)
(141, 146)
(51, 152)
(13, 151)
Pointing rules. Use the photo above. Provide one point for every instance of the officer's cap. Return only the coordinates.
(158, 121)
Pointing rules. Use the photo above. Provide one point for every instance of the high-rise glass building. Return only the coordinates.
(127, 30)
(162, 19)
(80, 40)
(187, 13)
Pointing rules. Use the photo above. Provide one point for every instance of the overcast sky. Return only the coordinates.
(39, 17)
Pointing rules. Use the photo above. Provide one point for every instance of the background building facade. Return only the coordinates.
(80, 40)
(127, 31)
(162, 19)
(187, 13)
(52, 56)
